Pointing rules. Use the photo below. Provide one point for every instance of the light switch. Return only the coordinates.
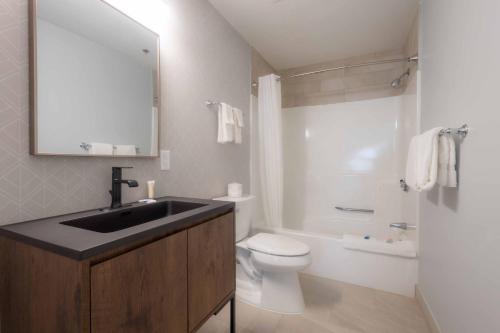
(165, 160)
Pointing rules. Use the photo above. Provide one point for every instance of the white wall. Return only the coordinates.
(459, 272)
(88, 92)
(344, 154)
(202, 57)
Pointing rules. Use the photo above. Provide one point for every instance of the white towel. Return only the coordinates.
(226, 123)
(422, 163)
(238, 125)
(125, 150)
(447, 174)
(98, 148)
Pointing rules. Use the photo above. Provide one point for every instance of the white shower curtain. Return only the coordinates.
(271, 149)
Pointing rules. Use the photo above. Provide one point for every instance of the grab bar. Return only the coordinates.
(355, 210)
(403, 226)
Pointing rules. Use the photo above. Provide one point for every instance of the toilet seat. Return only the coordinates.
(274, 263)
(277, 245)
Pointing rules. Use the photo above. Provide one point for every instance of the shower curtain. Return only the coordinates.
(271, 149)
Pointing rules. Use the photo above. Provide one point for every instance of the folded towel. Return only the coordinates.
(226, 123)
(97, 148)
(238, 125)
(447, 175)
(125, 150)
(404, 248)
(422, 163)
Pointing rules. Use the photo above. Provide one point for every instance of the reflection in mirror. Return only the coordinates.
(95, 84)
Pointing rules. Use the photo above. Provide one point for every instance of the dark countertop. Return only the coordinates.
(50, 234)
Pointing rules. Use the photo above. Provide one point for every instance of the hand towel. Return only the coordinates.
(97, 148)
(226, 123)
(125, 150)
(422, 163)
(447, 174)
(238, 125)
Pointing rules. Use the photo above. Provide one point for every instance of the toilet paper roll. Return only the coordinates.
(234, 190)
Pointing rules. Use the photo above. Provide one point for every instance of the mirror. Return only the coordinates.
(94, 85)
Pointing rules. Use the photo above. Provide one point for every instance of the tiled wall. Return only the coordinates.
(202, 58)
(343, 85)
(350, 84)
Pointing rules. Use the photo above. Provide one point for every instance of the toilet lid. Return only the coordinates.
(277, 245)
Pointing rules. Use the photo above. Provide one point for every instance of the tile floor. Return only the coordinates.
(331, 307)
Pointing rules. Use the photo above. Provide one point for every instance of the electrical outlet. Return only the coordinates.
(165, 160)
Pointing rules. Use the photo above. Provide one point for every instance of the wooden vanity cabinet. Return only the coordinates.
(211, 267)
(143, 290)
(172, 284)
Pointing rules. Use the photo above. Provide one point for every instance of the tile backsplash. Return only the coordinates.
(352, 84)
(33, 187)
(345, 85)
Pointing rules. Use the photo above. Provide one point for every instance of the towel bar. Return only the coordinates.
(210, 103)
(87, 146)
(461, 131)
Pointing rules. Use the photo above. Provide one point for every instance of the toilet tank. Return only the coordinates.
(243, 214)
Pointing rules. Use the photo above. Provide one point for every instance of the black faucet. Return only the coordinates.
(116, 186)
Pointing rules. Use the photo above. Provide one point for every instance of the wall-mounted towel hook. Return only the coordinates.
(211, 103)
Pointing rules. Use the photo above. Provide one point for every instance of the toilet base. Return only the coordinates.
(247, 290)
(281, 292)
(277, 292)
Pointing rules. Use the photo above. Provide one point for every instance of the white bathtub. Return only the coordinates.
(378, 271)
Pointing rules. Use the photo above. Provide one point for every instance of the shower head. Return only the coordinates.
(397, 82)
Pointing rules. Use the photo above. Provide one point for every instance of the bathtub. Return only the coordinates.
(332, 261)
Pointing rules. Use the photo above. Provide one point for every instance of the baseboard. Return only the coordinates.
(429, 317)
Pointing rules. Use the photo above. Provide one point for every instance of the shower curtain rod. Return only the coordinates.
(379, 62)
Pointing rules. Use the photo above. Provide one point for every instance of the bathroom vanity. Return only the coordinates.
(96, 271)
(146, 267)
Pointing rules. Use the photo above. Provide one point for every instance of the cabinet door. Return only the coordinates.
(144, 290)
(211, 263)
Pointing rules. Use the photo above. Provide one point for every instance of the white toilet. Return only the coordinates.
(267, 264)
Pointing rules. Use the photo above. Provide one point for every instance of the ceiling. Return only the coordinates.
(294, 33)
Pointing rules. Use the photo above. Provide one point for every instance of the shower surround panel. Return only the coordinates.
(344, 155)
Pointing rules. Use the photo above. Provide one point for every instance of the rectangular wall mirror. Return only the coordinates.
(94, 85)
